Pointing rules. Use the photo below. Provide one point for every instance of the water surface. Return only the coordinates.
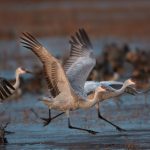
(131, 113)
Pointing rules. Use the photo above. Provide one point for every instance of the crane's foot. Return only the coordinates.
(120, 129)
(46, 121)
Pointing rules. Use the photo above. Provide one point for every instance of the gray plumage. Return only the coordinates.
(81, 61)
(7, 89)
(90, 86)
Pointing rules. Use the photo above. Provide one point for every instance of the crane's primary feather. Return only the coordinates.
(81, 61)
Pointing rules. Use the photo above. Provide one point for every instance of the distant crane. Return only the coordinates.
(79, 64)
(6, 88)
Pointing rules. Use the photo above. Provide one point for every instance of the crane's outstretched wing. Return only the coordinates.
(54, 73)
(6, 88)
(90, 86)
(81, 61)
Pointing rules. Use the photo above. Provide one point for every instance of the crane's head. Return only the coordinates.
(129, 82)
(21, 70)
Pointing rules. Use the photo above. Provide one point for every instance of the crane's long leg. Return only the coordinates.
(101, 117)
(77, 128)
(49, 119)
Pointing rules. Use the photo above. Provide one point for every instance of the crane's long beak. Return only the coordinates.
(132, 82)
(28, 71)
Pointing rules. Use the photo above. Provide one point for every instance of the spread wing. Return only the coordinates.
(80, 62)
(90, 86)
(52, 80)
(6, 89)
(54, 73)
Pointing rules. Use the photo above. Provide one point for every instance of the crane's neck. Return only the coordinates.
(17, 83)
(115, 93)
(91, 100)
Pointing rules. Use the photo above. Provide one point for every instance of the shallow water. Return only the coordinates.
(132, 114)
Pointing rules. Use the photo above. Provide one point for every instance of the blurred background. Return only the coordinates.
(120, 34)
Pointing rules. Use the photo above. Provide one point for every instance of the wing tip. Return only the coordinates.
(81, 37)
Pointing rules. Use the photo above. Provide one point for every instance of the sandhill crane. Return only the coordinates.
(63, 97)
(76, 67)
(6, 88)
(110, 92)
(79, 65)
